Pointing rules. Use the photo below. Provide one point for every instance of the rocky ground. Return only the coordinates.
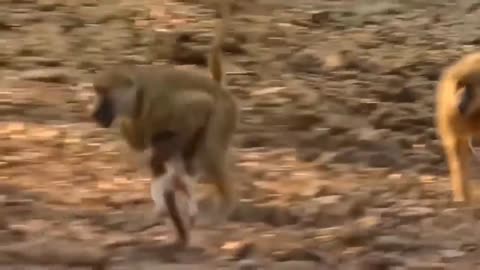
(339, 163)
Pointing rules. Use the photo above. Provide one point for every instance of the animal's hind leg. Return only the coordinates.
(184, 183)
(459, 156)
(170, 193)
(215, 158)
(171, 187)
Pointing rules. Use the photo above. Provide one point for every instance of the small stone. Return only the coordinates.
(298, 254)
(392, 243)
(231, 45)
(416, 265)
(14, 127)
(295, 265)
(44, 134)
(239, 250)
(321, 16)
(448, 219)
(47, 5)
(450, 254)
(338, 60)
(119, 241)
(382, 160)
(327, 200)
(370, 135)
(18, 229)
(368, 222)
(304, 121)
(417, 212)
(305, 61)
(352, 252)
(339, 124)
(378, 261)
(248, 264)
(346, 155)
(359, 231)
(52, 75)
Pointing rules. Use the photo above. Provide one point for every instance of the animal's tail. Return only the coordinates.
(215, 59)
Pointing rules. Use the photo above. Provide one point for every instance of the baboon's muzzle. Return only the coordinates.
(103, 113)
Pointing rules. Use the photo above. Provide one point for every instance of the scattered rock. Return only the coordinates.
(48, 5)
(321, 16)
(304, 121)
(239, 250)
(394, 243)
(398, 95)
(376, 261)
(52, 75)
(305, 61)
(358, 233)
(297, 265)
(417, 265)
(339, 60)
(248, 264)
(233, 46)
(119, 241)
(347, 155)
(450, 254)
(298, 254)
(55, 252)
(350, 86)
(416, 212)
(327, 201)
(369, 138)
(383, 160)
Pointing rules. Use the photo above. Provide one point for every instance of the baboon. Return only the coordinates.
(458, 119)
(184, 119)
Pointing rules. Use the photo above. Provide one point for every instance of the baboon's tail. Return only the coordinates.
(215, 59)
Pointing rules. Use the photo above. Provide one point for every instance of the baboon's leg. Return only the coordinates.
(189, 120)
(158, 187)
(171, 186)
(215, 155)
(184, 187)
(178, 203)
(175, 149)
(163, 149)
(190, 151)
(459, 156)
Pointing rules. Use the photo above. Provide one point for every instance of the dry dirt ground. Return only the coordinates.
(339, 163)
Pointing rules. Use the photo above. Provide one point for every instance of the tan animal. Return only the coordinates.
(186, 120)
(458, 119)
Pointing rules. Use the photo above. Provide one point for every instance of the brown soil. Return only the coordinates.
(340, 164)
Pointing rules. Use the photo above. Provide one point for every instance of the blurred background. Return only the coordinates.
(337, 157)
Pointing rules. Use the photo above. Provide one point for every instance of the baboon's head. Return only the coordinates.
(116, 92)
(468, 97)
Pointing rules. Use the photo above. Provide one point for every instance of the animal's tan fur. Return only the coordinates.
(456, 129)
